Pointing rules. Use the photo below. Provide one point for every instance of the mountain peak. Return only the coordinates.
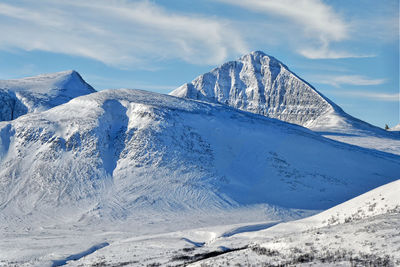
(70, 73)
(259, 83)
(260, 57)
(66, 73)
(258, 53)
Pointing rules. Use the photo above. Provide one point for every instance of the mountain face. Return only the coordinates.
(261, 84)
(39, 93)
(115, 152)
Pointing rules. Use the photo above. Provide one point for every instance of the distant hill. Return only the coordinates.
(39, 93)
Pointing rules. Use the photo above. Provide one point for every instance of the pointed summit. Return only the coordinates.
(260, 84)
(258, 56)
(39, 93)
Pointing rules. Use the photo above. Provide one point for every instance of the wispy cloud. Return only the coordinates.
(313, 15)
(317, 22)
(141, 34)
(116, 32)
(389, 97)
(323, 52)
(348, 80)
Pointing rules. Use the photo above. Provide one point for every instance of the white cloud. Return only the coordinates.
(318, 25)
(390, 97)
(349, 80)
(324, 52)
(313, 15)
(116, 32)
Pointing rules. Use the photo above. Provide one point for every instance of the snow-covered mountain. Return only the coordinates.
(39, 93)
(261, 84)
(118, 151)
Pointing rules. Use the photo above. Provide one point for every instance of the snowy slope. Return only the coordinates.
(382, 200)
(348, 129)
(39, 93)
(261, 84)
(363, 231)
(117, 151)
(369, 242)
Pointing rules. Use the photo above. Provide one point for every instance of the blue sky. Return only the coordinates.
(349, 50)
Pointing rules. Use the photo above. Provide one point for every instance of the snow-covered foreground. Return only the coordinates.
(362, 231)
(50, 244)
